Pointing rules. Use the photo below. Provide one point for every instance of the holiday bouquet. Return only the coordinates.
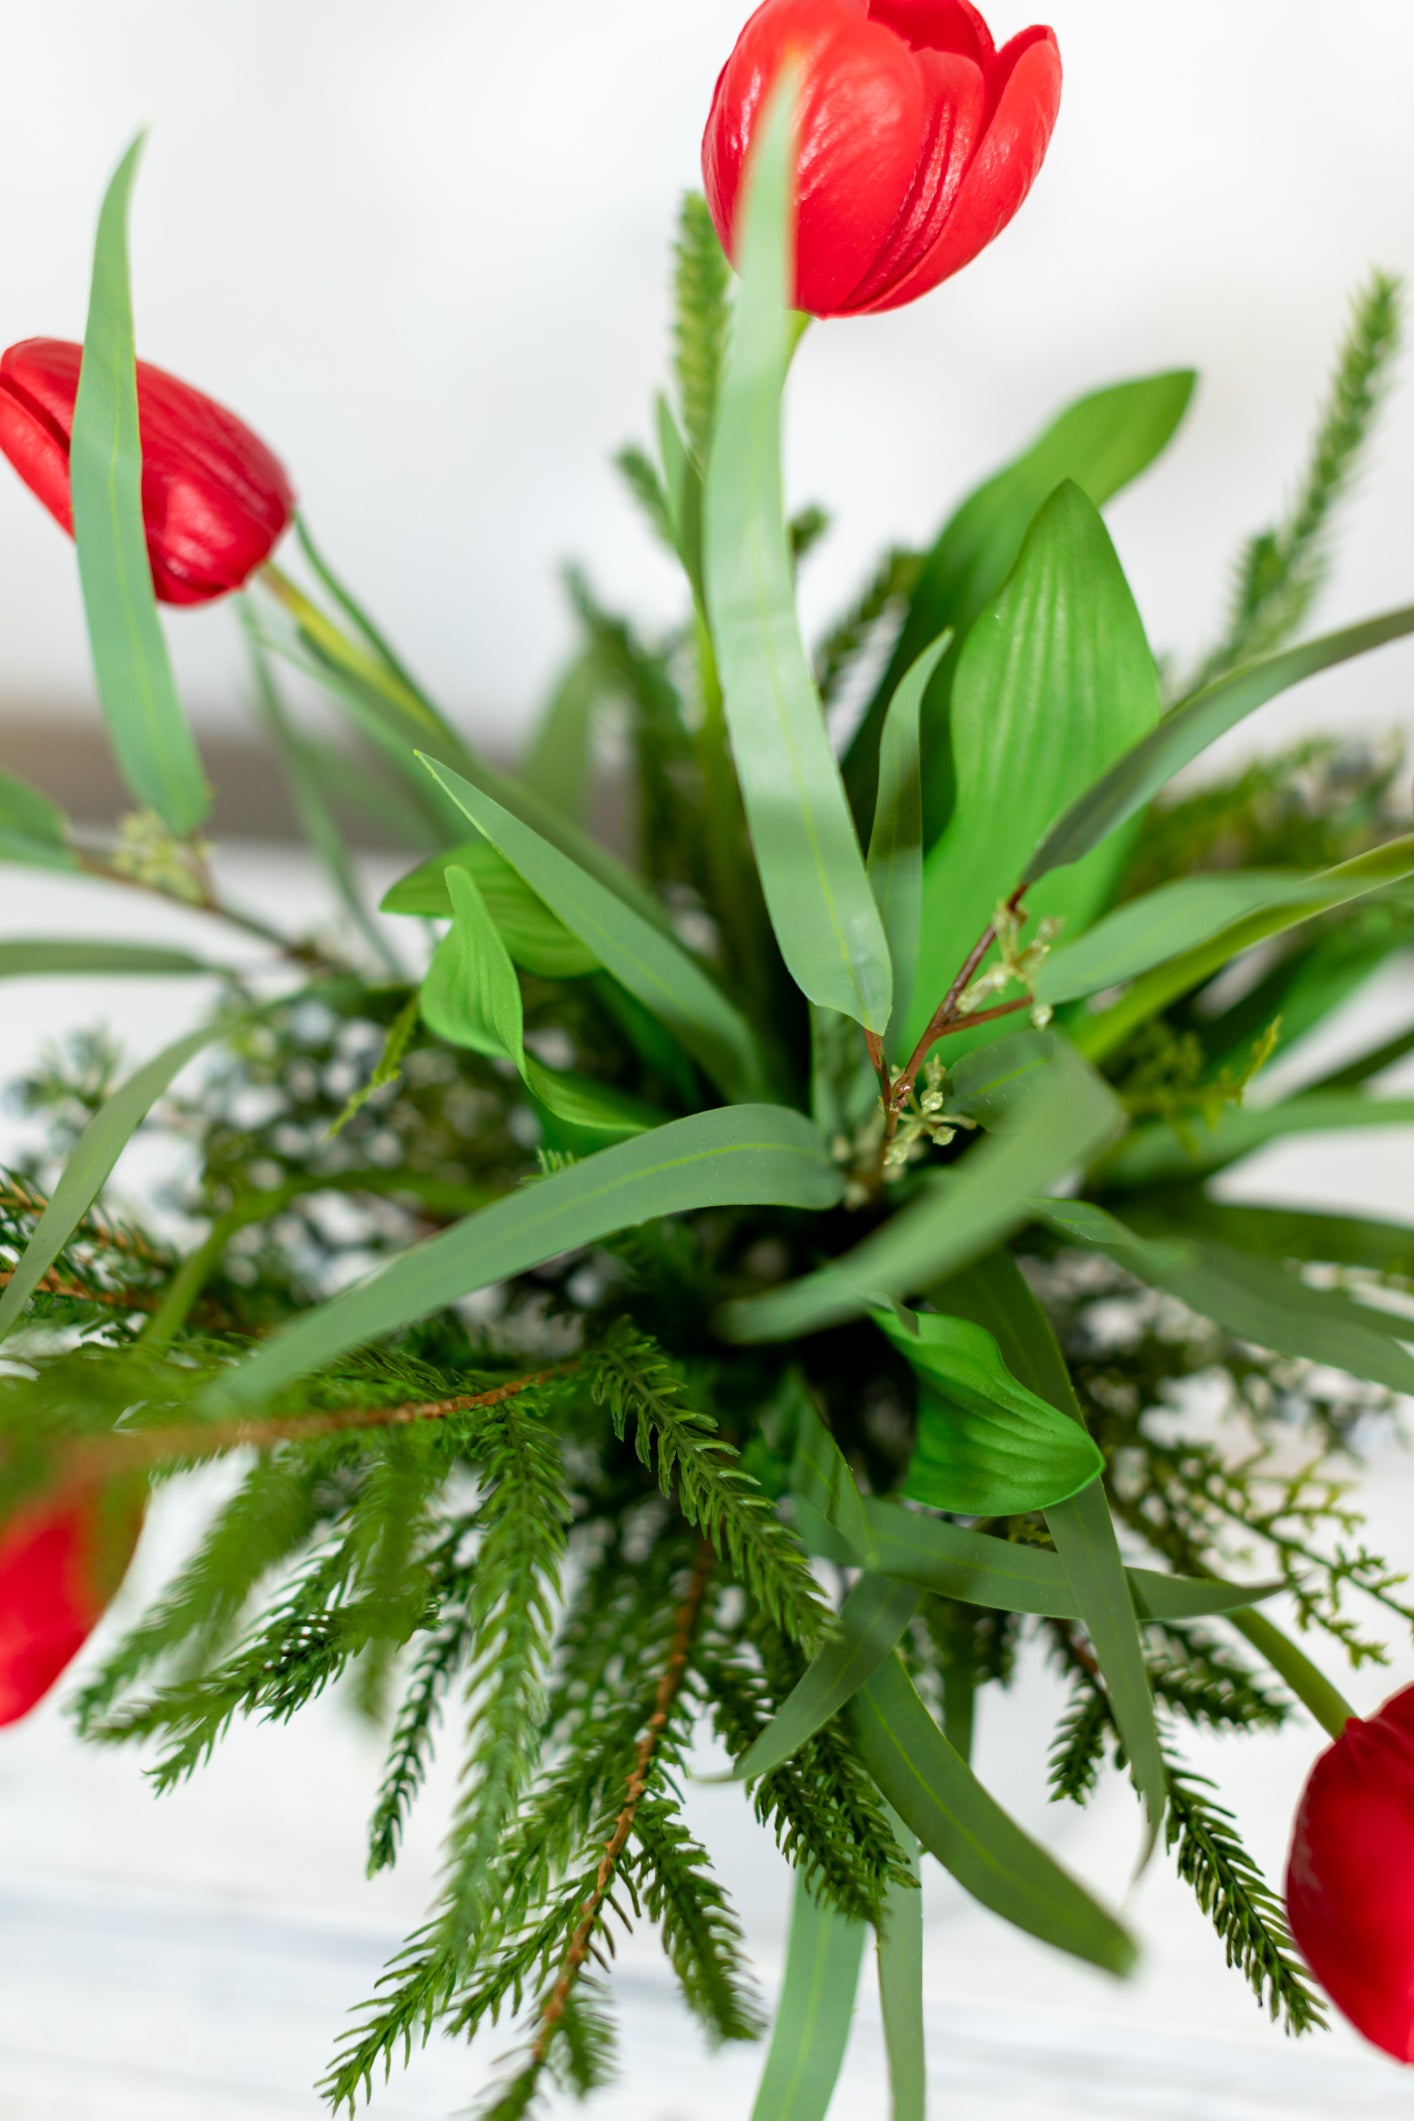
(770, 1264)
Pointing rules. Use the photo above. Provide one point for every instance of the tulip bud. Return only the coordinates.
(214, 498)
(917, 140)
(1350, 1875)
(62, 1558)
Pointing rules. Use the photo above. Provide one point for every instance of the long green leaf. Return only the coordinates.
(808, 854)
(1054, 683)
(94, 1155)
(151, 739)
(1061, 1115)
(933, 1790)
(1254, 1297)
(654, 968)
(1380, 867)
(986, 1446)
(870, 1622)
(738, 1156)
(32, 829)
(1367, 1241)
(895, 862)
(814, 2015)
(900, 1953)
(1190, 728)
(1154, 1153)
(1102, 442)
(536, 940)
(23, 956)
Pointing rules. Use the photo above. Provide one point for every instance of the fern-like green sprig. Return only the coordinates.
(700, 283)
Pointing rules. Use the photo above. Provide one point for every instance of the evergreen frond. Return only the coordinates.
(805, 530)
(700, 283)
(700, 1932)
(414, 1729)
(1078, 1748)
(640, 475)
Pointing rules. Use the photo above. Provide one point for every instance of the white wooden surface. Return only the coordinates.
(192, 1959)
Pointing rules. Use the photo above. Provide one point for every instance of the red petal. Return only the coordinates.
(956, 95)
(1001, 173)
(59, 1565)
(938, 26)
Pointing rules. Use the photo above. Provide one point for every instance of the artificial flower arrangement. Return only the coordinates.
(801, 1168)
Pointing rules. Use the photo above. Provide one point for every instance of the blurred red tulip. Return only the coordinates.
(1350, 1875)
(917, 139)
(214, 498)
(62, 1557)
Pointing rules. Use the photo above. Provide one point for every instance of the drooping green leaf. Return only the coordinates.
(1190, 728)
(32, 829)
(151, 738)
(737, 1156)
(807, 852)
(536, 940)
(815, 2012)
(94, 1155)
(1367, 1241)
(1059, 1116)
(986, 1446)
(870, 1622)
(21, 957)
(895, 861)
(900, 1953)
(1154, 1153)
(1254, 1297)
(1054, 683)
(653, 967)
(1102, 443)
(559, 765)
(1380, 867)
(935, 1792)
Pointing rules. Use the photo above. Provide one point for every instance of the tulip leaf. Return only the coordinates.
(986, 1446)
(813, 2017)
(736, 1156)
(1188, 729)
(1055, 681)
(1366, 1241)
(807, 852)
(936, 1794)
(151, 738)
(471, 997)
(649, 963)
(900, 1955)
(868, 1627)
(1377, 868)
(1102, 443)
(895, 862)
(1258, 1299)
(536, 940)
(1055, 1116)
(32, 829)
(1154, 1153)
(21, 957)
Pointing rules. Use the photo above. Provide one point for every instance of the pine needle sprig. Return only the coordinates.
(640, 475)
(1283, 569)
(700, 1931)
(414, 1729)
(701, 280)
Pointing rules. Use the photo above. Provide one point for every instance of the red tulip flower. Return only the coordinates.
(917, 140)
(1350, 1875)
(61, 1560)
(214, 498)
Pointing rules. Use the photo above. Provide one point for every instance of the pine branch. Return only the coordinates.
(1283, 569)
(640, 475)
(1078, 1749)
(700, 285)
(700, 1932)
(410, 1747)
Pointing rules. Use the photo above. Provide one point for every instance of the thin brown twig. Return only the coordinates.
(947, 1017)
(669, 1686)
(116, 1299)
(14, 1195)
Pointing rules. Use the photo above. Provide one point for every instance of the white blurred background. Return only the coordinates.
(423, 249)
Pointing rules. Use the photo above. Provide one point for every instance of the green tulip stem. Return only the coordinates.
(1310, 1686)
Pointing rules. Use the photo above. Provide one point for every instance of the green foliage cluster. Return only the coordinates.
(663, 1324)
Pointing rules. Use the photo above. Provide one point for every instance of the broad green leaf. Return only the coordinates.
(895, 862)
(1279, 1233)
(986, 1446)
(559, 766)
(653, 967)
(32, 829)
(1165, 924)
(935, 1792)
(471, 997)
(151, 739)
(1190, 728)
(870, 1622)
(900, 1954)
(527, 927)
(1102, 442)
(23, 956)
(820, 1476)
(737, 1156)
(1060, 1115)
(1392, 863)
(815, 2012)
(1253, 1297)
(1053, 684)
(807, 852)
(1154, 1153)
(94, 1154)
